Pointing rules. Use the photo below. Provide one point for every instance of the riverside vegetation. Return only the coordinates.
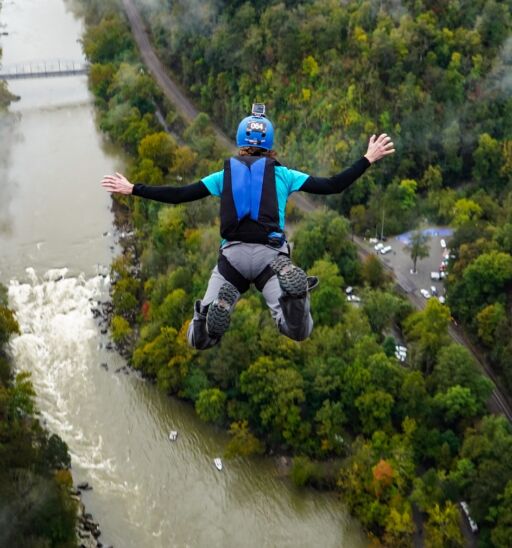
(389, 437)
(35, 505)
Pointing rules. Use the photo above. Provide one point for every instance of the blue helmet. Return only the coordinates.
(255, 131)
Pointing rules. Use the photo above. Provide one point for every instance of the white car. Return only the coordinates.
(353, 299)
(378, 246)
(385, 250)
(425, 293)
(443, 243)
(442, 300)
(472, 523)
(435, 275)
(349, 290)
(433, 290)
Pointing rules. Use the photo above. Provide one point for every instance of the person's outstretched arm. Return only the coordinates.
(378, 147)
(167, 194)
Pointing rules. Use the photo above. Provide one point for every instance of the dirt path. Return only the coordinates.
(188, 111)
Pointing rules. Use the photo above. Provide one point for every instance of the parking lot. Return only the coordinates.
(399, 260)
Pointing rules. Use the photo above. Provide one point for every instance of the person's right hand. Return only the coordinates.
(117, 183)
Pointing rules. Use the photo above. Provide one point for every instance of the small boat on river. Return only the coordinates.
(218, 463)
(173, 435)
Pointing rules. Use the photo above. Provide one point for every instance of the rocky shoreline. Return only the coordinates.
(87, 529)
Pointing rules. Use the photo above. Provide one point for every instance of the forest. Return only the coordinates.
(402, 443)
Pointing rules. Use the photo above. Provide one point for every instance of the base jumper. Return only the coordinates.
(253, 189)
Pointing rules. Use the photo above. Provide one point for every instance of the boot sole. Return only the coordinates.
(219, 316)
(292, 279)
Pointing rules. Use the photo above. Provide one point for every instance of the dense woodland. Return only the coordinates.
(392, 438)
(434, 75)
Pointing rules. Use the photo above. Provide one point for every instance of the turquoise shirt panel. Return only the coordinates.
(214, 183)
(287, 182)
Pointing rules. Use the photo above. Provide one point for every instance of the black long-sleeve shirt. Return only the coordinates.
(312, 185)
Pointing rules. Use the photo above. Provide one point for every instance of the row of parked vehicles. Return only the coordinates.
(381, 248)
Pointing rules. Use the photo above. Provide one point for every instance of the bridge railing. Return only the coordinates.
(42, 69)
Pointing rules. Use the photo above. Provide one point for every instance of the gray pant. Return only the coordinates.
(292, 315)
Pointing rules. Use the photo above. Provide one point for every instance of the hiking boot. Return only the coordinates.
(292, 279)
(313, 282)
(219, 311)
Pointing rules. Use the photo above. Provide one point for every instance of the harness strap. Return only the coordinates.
(232, 275)
(263, 277)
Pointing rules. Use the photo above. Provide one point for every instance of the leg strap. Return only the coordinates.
(264, 276)
(232, 275)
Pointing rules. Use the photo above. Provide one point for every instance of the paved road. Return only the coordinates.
(398, 262)
(170, 89)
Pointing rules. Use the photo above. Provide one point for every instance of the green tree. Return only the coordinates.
(456, 403)
(432, 178)
(465, 211)
(275, 393)
(442, 527)
(327, 301)
(211, 405)
(107, 41)
(456, 366)
(330, 419)
(8, 325)
(492, 324)
(502, 517)
(428, 329)
(484, 446)
(121, 330)
(373, 272)
(381, 308)
(243, 443)
(375, 410)
(160, 148)
(418, 247)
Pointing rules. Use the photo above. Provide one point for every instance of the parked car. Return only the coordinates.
(425, 293)
(433, 290)
(472, 523)
(385, 250)
(378, 246)
(443, 243)
(442, 299)
(349, 290)
(435, 275)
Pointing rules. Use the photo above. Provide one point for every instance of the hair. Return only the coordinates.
(257, 151)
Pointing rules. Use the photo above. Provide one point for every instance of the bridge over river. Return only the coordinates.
(43, 69)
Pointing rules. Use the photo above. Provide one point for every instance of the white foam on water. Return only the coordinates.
(57, 345)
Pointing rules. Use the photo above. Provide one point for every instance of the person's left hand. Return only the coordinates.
(378, 147)
(117, 183)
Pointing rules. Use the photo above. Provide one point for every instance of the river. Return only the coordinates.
(56, 244)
